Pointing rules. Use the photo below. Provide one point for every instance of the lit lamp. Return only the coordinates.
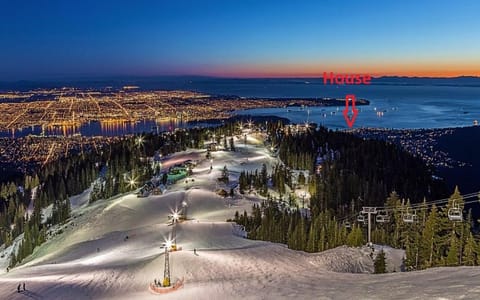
(131, 182)
(139, 141)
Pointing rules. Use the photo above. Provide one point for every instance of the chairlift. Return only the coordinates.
(361, 219)
(409, 217)
(382, 217)
(455, 213)
(386, 217)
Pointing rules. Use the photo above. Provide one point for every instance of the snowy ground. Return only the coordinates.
(92, 260)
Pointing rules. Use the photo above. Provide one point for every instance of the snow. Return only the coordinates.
(80, 199)
(92, 259)
(359, 260)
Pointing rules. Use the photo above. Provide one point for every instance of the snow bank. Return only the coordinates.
(358, 260)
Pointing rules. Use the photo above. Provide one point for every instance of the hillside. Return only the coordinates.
(93, 259)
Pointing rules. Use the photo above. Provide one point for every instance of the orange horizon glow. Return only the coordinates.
(375, 69)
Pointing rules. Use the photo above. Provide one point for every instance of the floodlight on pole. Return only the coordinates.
(139, 141)
(175, 216)
(131, 182)
(184, 205)
(168, 244)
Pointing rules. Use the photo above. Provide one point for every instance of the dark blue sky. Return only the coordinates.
(54, 39)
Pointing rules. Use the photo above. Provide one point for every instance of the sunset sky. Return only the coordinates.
(247, 38)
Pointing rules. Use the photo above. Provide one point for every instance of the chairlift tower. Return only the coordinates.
(166, 271)
(369, 211)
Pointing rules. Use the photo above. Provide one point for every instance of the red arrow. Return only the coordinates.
(350, 121)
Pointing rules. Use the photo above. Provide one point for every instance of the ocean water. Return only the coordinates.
(393, 104)
(390, 106)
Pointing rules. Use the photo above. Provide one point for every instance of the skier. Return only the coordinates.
(18, 288)
(24, 286)
(195, 251)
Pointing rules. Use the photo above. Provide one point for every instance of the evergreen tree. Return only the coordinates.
(449, 228)
(312, 238)
(380, 264)
(453, 252)
(225, 175)
(430, 242)
(264, 180)
(355, 237)
(469, 257)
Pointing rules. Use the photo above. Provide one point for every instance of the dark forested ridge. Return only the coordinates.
(350, 170)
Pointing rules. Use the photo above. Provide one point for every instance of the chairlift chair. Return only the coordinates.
(386, 218)
(455, 213)
(409, 217)
(361, 219)
(347, 224)
(382, 217)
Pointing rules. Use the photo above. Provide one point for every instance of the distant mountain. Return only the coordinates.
(447, 81)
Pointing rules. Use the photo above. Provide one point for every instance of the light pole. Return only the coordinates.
(175, 217)
(166, 270)
(184, 205)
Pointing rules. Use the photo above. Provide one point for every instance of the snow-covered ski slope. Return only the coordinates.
(91, 259)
